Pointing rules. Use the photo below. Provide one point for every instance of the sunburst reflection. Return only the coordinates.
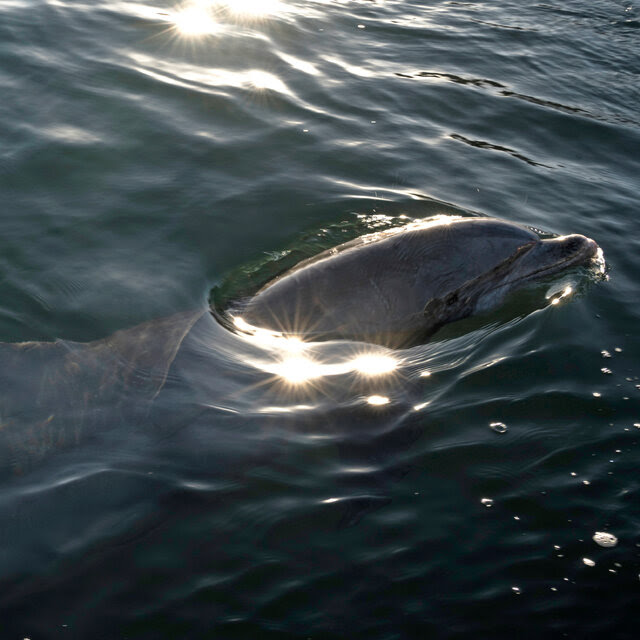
(377, 401)
(296, 362)
(197, 18)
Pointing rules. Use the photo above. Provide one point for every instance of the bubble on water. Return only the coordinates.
(589, 562)
(498, 427)
(487, 502)
(618, 350)
(605, 539)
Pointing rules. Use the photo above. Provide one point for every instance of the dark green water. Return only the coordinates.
(141, 167)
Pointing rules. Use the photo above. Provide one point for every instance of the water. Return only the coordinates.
(142, 166)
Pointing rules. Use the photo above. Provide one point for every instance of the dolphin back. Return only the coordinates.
(59, 394)
(376, 288)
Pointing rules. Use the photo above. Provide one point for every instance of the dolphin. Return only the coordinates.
(395, 287)
(398, 287)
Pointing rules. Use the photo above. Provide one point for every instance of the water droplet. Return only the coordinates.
(498, 427)
(605, 354)
(586, 482)
(596, 394)
(516, 590)
(605, 539)
(618, 350)
(605, 370)
(589, 562)
(487, 502)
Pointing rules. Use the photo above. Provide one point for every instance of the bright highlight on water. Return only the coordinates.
(196, 18)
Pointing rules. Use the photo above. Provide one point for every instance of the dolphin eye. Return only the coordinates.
(451, 299)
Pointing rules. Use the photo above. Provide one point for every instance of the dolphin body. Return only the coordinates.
(395, 287)
(400, 286)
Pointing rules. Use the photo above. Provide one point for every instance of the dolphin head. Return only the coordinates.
(530, 262)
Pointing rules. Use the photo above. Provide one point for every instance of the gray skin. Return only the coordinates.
(399, 287)
(59, 394)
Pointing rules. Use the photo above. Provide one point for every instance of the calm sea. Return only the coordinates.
(154, 152)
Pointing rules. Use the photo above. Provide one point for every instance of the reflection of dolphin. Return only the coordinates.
(400, 286)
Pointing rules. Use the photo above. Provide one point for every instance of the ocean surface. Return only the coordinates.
(158, 157)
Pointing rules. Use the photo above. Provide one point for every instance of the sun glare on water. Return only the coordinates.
(294, 364)
(374, 364)
(196, 18)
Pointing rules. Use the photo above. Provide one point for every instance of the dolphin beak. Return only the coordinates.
(532, 261)
(577, 248)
